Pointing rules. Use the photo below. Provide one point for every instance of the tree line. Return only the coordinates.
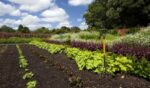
(43, 30)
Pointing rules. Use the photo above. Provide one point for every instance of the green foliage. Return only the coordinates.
(142, 68)
(5, 28)
(89, 35)
(119, 64)
(23, 29)
(142, 38)
(31, 84)
(95, 60)
(52, 48)
(17, 40)
(133, 30)
(85, 36)
(65, 29)
(42, 30)
(28, 75)
(22, 61)
(118, 13)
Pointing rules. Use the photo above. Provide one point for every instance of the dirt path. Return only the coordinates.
(10, 73)
(46, 75)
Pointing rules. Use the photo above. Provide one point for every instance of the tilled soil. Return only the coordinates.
(88, 79)
(10, 73)
(47, 76)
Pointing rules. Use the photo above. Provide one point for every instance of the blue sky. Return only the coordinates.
(47, 13)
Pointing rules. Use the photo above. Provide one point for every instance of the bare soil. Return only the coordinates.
(10, 73)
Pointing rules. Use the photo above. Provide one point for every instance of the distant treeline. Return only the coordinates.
(42, 30)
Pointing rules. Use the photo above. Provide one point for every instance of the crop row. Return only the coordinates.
(136, 50)
(28, 75)
(96, 62)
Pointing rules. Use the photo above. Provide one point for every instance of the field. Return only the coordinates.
(53, 69)
(60, 61)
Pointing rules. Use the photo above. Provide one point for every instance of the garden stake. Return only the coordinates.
(104, 51)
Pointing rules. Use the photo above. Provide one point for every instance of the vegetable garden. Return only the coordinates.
(34, 63)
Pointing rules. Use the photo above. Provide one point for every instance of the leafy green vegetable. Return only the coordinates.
(31, 84)
(28, 75)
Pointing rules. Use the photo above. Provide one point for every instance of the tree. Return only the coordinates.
(23, 29)
(75, 29)
(42, 30)
(26, 30)
(5, 28)
(118, 13)
(20, 28)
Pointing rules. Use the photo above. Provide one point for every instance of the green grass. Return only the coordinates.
(17, 40)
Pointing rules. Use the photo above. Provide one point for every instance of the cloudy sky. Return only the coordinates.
(46, 13)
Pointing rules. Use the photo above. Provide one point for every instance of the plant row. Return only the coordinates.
(17, 40)
(126, 49)
(136, 50)
(80, 44)
(28, 75)
(98, 62)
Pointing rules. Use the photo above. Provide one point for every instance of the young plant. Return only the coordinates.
(23, 62)
(31, 84)
(28, 75)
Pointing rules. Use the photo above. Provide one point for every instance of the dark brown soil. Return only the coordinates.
(87, 79)
(10, 73)
(47, 76)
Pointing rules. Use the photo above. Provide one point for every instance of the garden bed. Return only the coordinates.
(88, 78)
(57, 71)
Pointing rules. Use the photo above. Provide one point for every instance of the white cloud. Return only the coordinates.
(32, 24)
(55, 14)
(79, 2)
(8, 22)
(6, 9)
(16, 13)
(27, 20)
(64, 23)
(38, 25)
(83, 26)
(33, 5)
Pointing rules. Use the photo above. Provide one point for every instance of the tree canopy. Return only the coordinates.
(118, 13)
(42, 30)
(23, 29)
